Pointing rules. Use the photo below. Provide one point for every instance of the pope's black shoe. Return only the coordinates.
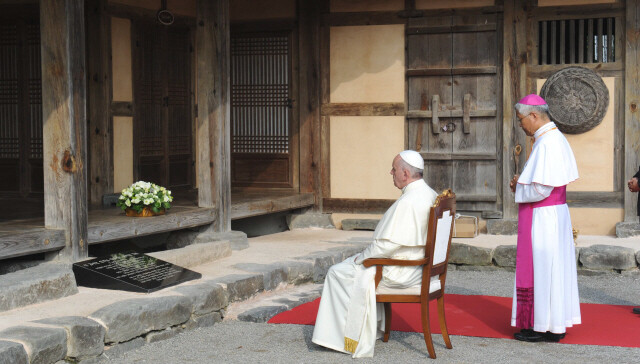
(636, 310)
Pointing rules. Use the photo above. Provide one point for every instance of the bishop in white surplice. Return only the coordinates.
(546, 295)
(349, 320)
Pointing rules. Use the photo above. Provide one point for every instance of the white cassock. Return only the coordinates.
(348, 305)
(551, 164)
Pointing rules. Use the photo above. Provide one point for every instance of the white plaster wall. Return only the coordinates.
(122, 152)
(594, 150)
(367, 63)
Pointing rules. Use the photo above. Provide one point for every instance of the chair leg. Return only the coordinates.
(426, 330)
(387, 321)
(443, 323)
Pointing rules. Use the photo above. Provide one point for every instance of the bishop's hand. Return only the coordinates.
(514, 182)
(633, 185)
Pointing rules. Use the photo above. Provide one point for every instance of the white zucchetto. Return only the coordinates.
(413, 158)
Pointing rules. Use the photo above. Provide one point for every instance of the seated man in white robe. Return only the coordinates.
(348, 318)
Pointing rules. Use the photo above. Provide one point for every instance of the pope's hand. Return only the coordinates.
(514, 182)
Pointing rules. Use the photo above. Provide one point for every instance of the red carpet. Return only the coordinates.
(488, 316)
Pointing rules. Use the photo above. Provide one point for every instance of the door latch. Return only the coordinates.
(449, 127)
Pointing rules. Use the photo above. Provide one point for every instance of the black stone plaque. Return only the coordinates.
(131, 271)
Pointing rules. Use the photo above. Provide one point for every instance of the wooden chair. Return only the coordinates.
(434, 271)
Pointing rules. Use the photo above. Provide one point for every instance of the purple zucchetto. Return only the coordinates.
(533, 100)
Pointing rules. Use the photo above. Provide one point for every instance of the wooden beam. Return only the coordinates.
(362, 18)
(311, 129)
(363, 109)
(100, 133)
(122, 108)
(595, 199)
(65, 122)
(213, 127)
(355, 205)
(514, 63)
(631, 104)
(130, 12)
(602, 69)
(27, 241)
(325, 121)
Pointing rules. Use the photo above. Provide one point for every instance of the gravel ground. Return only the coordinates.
(240, 342)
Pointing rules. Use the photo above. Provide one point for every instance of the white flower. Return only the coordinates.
(128, 203)
(148, 201)
(135, 199)
(165, 199)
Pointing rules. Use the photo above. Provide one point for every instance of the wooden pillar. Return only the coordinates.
(311, 129)
(514, 78)
(213, 127)
(64, 119)
(632, 106)
(99, 99)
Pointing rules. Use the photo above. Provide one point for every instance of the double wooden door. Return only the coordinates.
(163, 123)
(454, 112)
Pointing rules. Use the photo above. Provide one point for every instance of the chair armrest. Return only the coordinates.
(384, 261)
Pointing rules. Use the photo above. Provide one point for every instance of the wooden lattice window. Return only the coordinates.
(261, 109)
(574, 41)
(20, 106)
(260, 93)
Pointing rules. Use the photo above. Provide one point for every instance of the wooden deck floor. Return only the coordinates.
(28, 236)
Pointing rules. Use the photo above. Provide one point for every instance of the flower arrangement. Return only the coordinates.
(145, 195)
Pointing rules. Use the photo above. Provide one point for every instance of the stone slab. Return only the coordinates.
(505, 255)
(502, 227)
(44, 282)
(85, 337)
(44, 345)
(207, 320)
(12, 353)
(607, 257)
(205, 297)
(310, 220)
(131, 318)
(627, 229)
(469, 254)
(165, 334)
(195, 254)
(242, 286)
(359, 224)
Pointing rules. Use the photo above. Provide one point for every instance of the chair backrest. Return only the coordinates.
(439, 234)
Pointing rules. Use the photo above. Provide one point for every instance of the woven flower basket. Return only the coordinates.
(146, 212)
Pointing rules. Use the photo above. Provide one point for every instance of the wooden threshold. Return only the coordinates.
(248, 204)
(112, 224)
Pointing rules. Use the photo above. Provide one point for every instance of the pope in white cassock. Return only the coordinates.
(349, 320)
(545, 301)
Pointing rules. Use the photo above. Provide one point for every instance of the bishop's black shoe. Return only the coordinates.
(531, 336)
(553, 338)
(636, 310)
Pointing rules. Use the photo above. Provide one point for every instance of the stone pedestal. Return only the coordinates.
(502, 227)
(627, 229)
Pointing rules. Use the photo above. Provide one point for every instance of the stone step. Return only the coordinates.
(195, 254)
(262, 307)
(44, 282)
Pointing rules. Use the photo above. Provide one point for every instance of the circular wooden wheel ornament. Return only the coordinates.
(577, 99)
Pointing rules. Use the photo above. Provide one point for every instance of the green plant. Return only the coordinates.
(145, 194)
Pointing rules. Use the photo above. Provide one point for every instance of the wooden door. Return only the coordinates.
(163, 119)
(454, 93)
(262, 150)
(21, 171)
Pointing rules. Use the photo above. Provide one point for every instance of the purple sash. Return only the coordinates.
(524, 255)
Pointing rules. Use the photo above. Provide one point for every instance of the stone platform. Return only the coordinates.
(92, 323)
